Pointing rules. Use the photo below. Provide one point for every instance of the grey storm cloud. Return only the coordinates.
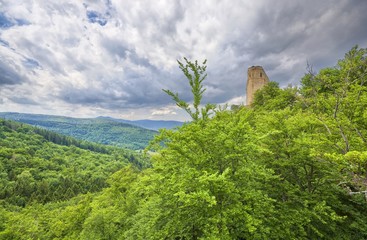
(119, 56)
(23, 100)
(294, 28)
(9, 76)
(117, 94)
(43, 56)
(116, 47)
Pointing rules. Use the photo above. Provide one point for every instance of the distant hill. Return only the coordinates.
(149, 124)
(103, 130)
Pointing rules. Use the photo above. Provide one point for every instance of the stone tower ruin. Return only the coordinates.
(256, 79)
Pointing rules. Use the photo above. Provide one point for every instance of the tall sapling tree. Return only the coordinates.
(196, 74)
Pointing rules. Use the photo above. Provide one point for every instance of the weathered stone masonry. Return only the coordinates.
(256, 79)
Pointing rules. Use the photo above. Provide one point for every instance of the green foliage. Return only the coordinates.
(293, 166)
(33, 169)
(271, 97)
(195, 74)
(211, 188)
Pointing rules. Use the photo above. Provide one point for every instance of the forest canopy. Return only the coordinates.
(291, 166)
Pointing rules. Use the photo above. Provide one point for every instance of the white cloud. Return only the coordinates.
(236, 101)
(164, 111)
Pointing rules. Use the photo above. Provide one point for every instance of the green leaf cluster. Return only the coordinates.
(195, 74)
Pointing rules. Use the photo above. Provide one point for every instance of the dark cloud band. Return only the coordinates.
(8, 76)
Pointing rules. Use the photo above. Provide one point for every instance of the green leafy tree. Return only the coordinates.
(271, 97)
(207, 184)
(339, 97)
(195, 74)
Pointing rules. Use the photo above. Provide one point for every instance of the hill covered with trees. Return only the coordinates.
(41, 166)
(291, 166)
(149, 124)
(100, 130)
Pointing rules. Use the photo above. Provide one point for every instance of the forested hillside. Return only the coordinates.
(148, 124)
(41, 166)
(291, 166)
(100, 130)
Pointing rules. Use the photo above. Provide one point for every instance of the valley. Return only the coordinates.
(104, 130)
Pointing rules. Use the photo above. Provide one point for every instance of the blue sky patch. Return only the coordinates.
(7, 22)
(4, 43)
(96, 17)
(30, 63)
(21, 22)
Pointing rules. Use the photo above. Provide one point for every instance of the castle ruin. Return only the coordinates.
(256, 79)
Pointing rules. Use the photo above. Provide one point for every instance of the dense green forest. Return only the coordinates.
(100, 130)
(149, 124)
(291, 166)
(39, 166)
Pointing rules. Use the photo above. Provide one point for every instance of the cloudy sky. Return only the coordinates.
(86, 58)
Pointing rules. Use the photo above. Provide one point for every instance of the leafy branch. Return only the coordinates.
(196, 74)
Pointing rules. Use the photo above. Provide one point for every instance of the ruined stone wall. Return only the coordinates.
(256, 79)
